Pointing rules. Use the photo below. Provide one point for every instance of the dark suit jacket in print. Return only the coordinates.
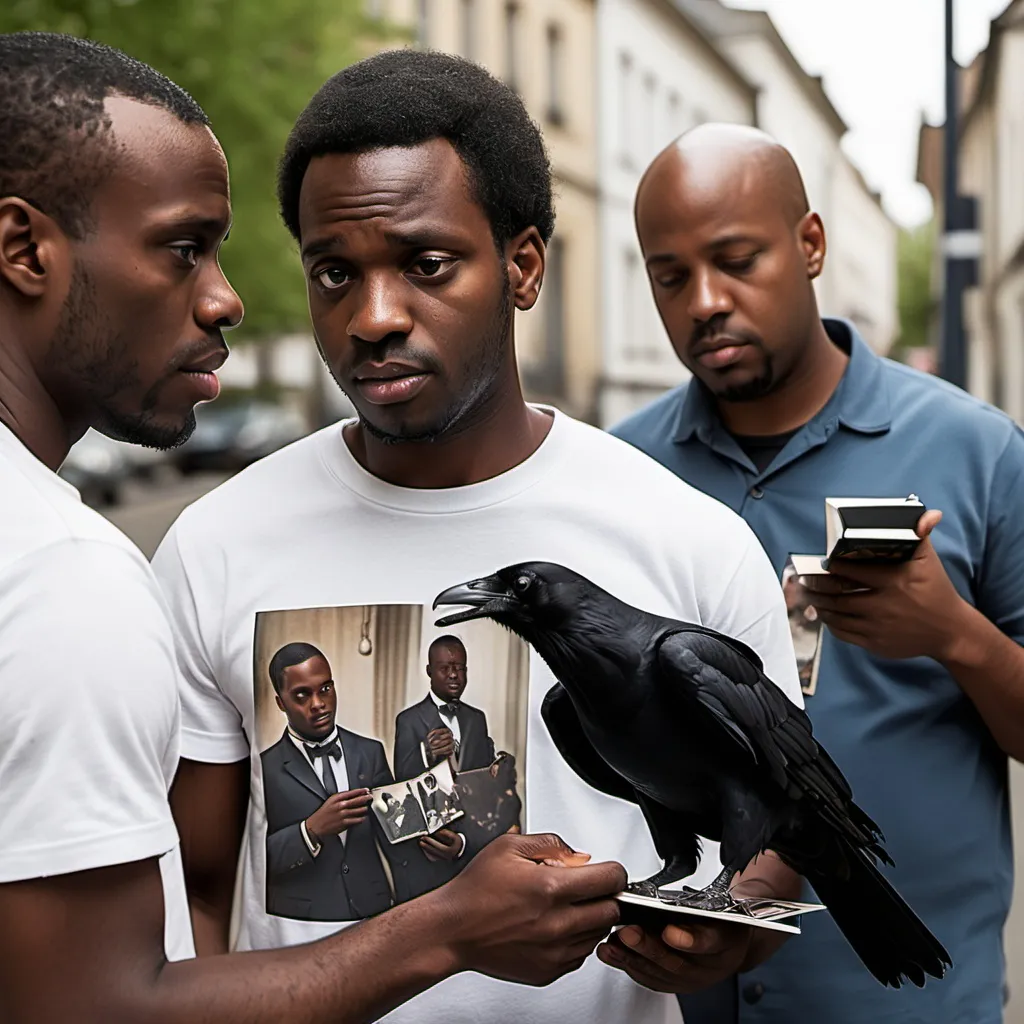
(345, 881)
(476, 748)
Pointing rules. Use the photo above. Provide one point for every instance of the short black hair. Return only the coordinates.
(286, 657)
(448, 640)
(408, 97)
(55, 136)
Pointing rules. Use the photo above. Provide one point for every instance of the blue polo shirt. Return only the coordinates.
(919, 758)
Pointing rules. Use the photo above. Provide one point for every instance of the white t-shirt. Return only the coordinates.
(89, 709)
(309, 529)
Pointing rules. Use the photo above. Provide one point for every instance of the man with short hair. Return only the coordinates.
(920, 684)
(113, 206)
(419, 192)
(443, 725)
(323, 862)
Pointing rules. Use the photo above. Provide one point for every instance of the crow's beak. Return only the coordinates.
(484, 597)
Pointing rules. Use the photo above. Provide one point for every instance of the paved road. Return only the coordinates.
(149, 510)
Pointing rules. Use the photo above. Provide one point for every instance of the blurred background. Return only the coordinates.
(904, 116)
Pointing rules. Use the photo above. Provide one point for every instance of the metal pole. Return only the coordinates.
(952, 353)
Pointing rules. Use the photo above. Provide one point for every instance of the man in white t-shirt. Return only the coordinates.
(419, 192)
(113, 205)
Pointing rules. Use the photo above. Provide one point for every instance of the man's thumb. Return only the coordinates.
(548, 848)
(928, 522)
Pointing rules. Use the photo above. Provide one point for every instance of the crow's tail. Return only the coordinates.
(884, 932)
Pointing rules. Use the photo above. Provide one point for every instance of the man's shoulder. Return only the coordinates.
(358, 740)
(44, 515)
(653, 426)
(412, 709)
(922, 400)
(248, 500)
(277, 750)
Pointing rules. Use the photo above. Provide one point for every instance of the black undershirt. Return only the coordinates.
(762, 450)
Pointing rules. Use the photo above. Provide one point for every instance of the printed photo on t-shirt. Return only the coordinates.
(391, 752)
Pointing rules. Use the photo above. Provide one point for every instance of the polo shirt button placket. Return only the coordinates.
(753, 992)
(756, 492)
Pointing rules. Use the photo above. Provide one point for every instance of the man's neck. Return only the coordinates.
(799, 399)
(503, 437)
(28, 409)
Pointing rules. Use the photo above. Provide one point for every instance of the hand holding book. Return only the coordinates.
(897, 610)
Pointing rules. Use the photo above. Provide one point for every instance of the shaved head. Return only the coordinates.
(713, 155)
(732, 249)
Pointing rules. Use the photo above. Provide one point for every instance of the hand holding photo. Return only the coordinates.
(419, 806)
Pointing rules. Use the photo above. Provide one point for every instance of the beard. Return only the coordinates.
(761, 385)
(481, 374)
(97, 363)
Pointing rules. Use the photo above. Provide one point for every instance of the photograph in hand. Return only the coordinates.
(418, 807)
(372, 725)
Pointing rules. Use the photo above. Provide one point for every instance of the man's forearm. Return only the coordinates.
(768, 877)
(211, 927)
(989, 667)
(355, 977)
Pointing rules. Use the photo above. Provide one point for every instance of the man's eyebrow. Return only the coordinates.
(422, 238)
(723, 242)
(200, 224)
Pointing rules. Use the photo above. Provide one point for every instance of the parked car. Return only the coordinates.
(98, 467)
(230, 437)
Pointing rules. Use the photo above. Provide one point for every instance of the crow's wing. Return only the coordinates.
(755, 714)
(564, 725)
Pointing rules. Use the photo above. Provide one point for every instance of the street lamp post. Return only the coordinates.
(961, 241)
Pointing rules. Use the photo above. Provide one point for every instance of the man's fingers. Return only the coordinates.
(546, 846)
(592, 881)
(701, 940)
(928, 522)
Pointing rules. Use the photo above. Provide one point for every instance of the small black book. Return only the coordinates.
(872, 529)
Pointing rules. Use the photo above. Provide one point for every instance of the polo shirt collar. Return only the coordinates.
(860, 403)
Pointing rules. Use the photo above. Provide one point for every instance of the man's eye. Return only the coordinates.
(188, 251)
(431, 266)
(332, 277)
(668, 280)
(738, 266)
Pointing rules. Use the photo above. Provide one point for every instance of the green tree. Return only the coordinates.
(253, 65)
(915, 301)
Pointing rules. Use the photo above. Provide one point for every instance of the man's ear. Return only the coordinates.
(33, 249)
(812, 239)
(525, 256)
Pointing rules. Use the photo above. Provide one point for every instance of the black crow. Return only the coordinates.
(682, 720)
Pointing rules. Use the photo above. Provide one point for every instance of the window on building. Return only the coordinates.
(555, 55)
(625, 95)
(423, 23)
(649, 113)
(674, 115)
(546, 376)
(632, 328)
(467, 29)
(512, 28)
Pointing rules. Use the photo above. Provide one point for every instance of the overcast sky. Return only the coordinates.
(882, 63)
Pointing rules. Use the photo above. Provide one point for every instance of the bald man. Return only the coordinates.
(920, 692)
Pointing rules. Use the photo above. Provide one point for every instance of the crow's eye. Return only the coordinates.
(521, 585)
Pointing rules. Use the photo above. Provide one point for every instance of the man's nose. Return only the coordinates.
(219, 307)
(708, 296)
(381, 309)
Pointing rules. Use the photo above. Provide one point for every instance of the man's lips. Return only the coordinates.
(201, 373)
(388, 383)
(719, 353)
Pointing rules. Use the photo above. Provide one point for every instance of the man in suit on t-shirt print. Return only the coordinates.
(442, 725)
(322, 860)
